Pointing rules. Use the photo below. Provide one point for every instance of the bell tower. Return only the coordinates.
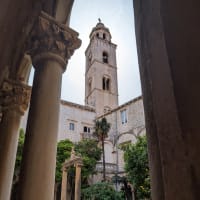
(101, 89)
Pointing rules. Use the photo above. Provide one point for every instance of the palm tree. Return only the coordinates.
(101, 132)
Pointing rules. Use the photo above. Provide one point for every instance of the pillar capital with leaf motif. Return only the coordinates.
(51, 40)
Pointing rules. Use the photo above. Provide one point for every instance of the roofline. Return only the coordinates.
(82, 107)
(121, 106)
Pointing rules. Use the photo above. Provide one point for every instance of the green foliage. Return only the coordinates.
(102, 128)
(90, 153)
(63, 153)
(101, 191)
(88, 150)
(136, 166)
(19, 152)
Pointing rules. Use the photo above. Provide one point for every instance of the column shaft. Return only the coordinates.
(51, 44)
(8, 146)
(15, 98)
(64, 186)
(78, 183)
(169, 67)
(39, 162)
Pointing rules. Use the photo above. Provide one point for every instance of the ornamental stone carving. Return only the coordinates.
(74, 160)
(52, 40)
(15, 95)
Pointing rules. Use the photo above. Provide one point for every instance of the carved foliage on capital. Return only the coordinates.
(15, 95)
(49, 36)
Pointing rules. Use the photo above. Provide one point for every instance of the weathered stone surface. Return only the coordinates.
(14, 98)
(99, 72)
(14, 34)
(52, 40)
(50, 47)
(168, 62)
(15, 95)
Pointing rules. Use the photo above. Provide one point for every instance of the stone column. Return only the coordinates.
(15, 97)
(169, 65)
(77, 192)
(50, 47)
(64, 184)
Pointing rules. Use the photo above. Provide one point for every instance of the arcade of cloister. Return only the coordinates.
(38, 32)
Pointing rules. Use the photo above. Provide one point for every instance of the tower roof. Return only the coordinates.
(100, 26)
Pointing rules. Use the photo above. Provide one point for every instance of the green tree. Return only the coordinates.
(102, 128)
(63, 153)
(101, 191)
(136, 167)
(19, 155)
(90, 153)
(17, 164)
(64, 148)
(88, 150)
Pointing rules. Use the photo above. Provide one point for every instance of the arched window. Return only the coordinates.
(105, 57)
(106, 83)
(104, 36)
(97, 34)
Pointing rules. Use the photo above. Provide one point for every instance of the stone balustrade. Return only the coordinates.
(110, 167)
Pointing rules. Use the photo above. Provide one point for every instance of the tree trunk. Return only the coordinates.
(104, 164)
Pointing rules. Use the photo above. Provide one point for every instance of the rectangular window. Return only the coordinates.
(123, 116)
(71, 126)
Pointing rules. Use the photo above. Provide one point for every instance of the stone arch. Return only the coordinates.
(159, 25)
(105, 57)
(106, 82)
(104, 36)
(109, 157)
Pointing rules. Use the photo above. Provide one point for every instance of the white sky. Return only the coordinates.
(117, 15)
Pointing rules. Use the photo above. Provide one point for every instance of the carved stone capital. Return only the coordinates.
(52, 40)
(15, 96)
